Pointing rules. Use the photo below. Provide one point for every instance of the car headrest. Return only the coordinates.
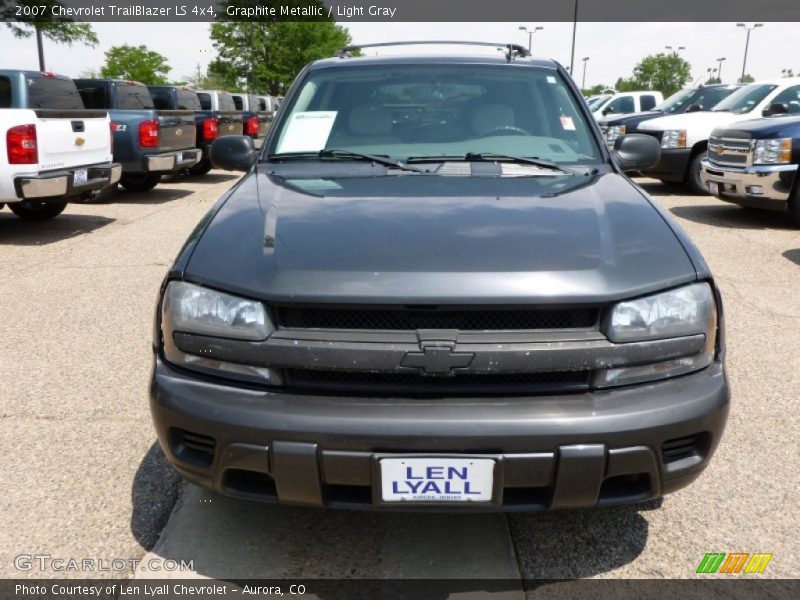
(486, 117)
(369, 120)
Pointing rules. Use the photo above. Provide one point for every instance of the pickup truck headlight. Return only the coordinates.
(674, 138)
(685, 311)
(773, 152)
(613, 132)
(193, 309)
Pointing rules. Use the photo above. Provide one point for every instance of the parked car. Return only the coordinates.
(147, 142)
(55, 149)
(207, 122)
(625, 103)
(684, 138)
(755, 163)
(683, 101)
(226, 120)
(426, 304)
(256, 122)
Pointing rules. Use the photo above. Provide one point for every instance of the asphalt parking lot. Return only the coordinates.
(84, 477)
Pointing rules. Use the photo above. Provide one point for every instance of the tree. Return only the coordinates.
(713, 80)
(595, 90)
(747, 78)
(666, 73)
(43, 25)
(136, 63)
(266, 56)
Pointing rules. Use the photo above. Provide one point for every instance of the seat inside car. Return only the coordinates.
(366, 125)
(494, 116)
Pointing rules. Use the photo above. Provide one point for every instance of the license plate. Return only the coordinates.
(437, 479)
(179, 158)
(80, 176)
(713, 187)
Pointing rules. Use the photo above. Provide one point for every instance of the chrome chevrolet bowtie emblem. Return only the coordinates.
(437, 358)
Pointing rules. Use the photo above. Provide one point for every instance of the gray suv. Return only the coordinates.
(435, 288)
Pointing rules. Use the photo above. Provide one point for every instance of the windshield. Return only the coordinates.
(426, 111)
(676, 102)
(594, 103)
(53, 93)
(745, 99)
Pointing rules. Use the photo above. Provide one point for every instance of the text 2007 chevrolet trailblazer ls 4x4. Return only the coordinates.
(434, 288)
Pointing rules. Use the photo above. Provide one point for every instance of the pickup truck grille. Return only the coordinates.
(412, 318)
(729, 151)
(466, 383)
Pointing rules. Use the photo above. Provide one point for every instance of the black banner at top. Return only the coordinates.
(403, 10)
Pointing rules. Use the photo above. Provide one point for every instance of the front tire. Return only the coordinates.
(37, 211)
(793, 205)
(693, 176)
(139, 182)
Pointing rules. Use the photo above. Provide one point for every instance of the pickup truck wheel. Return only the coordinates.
(37, 211)
(693, 176)
(793, 206)
(201, 168)
(143, 182)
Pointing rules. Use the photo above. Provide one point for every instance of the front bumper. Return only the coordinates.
(62, 183)
(560, 451)
(672, 166)
(764, 186)
(169, 162)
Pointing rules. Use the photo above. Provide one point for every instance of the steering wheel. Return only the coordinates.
(507, 128)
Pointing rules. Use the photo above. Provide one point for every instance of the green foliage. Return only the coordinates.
(713, 80)
(595, 90)
(267, 56)
(136, 63)
(666, 73)
(746, 79)
(56, 29)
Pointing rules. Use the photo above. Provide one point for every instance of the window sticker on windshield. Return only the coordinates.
(551, 79)
(307, 131)
(567, 123)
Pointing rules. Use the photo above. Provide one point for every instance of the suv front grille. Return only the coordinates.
(412, 383)
(728, 151)
(410, 318)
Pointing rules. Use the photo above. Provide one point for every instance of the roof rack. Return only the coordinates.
(512, 50)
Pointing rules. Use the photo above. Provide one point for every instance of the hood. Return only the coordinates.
(631, 117)
(772, 127)
(697, 121)
(438, 239)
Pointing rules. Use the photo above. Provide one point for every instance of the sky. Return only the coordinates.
(613, 48)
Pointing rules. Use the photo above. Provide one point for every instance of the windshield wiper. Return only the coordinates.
(494, 156)
(336, 153)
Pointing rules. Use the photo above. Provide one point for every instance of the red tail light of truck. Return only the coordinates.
(210, 129)
(21, 145)
(148, 134)
(251, 127)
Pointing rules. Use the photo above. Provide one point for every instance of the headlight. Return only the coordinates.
(687, 310)
(613, 132)
(773, 152)
(193, 309)
(674, 138)
(690, 310)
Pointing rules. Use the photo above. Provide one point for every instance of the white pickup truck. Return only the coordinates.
(55, 150)
(684, 137)
(625, 103)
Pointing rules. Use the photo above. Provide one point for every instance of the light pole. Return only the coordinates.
(530, 34)
(675, 49)
(574, 31)
(719, 69)
(583, 83)
(747, 44)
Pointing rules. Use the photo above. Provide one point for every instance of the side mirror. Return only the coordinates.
(233, 153)
(608, 110)
(636, 152)
(694, 108)
(776, 108)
